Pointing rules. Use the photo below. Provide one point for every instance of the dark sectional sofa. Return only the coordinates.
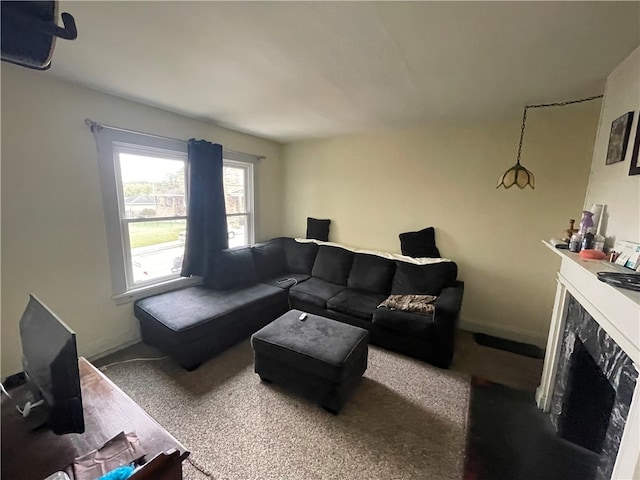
(249, 287)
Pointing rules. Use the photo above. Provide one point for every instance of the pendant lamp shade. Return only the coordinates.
(518, 175)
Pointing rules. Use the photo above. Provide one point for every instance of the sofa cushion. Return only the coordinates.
(318, 229)
(299, 256)
(371, 273)
(418, 325)
(333, 264)
(232, 268)
(356, 303)
(315, 291)
(419, 244)
(268, 258)
(427, 279)
(197, 311)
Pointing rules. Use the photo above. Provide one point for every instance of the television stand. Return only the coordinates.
(36, 454)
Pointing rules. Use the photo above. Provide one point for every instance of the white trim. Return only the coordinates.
(554, 344)
(147, 291)
(617, 311)
(248, 167)
(117, 348)
(113, 343)
(500, 330)
(629, 456)
(110, 143)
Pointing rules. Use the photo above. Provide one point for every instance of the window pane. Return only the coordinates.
(238, 231)
(152, 187)
(157, 249)
(235, 197)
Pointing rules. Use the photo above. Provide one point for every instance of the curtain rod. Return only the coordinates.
(98, 126)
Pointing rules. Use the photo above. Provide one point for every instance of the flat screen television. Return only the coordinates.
(50, 363)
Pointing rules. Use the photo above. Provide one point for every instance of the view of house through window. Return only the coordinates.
(153, 211)
(236, 177)
(153, 215)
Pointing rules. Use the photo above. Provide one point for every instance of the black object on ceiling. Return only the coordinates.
(29, 31)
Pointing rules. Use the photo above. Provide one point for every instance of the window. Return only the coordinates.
(152, 186)
(238, 182)
(144, 189)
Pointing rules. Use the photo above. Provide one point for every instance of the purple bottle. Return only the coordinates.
(586, 229)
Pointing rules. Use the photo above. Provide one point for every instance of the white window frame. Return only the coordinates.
(108, 141)
(124, 222)
(248, 167)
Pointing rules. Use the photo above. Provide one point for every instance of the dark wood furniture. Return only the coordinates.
(107, 411)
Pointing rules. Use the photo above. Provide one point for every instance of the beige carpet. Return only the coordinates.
(406, 420)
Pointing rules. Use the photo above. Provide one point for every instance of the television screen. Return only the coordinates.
(50, 362)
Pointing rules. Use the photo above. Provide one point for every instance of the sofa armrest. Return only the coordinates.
(419, 325)
(449, 303)
(430, 337)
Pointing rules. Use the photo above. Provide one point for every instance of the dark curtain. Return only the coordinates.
(206, 214)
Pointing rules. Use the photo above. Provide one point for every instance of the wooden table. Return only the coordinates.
(34, 455)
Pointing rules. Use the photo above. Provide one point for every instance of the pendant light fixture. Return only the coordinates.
(518, 175)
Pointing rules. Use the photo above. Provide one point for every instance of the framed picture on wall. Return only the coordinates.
(635, 168)
(618, 138)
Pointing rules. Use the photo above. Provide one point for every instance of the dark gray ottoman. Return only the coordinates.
(319, 358)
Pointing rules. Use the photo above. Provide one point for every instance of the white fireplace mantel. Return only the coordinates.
(617, 311)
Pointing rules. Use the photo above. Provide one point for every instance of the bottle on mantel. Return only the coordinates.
(586, 231)
(575, 243)
(587, 241)
(598, 242)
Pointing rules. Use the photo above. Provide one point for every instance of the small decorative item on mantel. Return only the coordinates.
(570, 231)
(618, 138)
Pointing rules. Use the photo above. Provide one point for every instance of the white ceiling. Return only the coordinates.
(294, 70)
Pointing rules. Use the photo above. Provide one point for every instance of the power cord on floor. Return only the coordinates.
(153, 359)
(200, 468)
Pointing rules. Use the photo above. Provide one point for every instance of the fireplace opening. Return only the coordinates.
(588, 402)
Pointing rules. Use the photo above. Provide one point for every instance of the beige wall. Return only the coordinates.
(374, 186)
(53, 233)
(611, 185)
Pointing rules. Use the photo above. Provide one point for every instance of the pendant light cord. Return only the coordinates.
(540, 105)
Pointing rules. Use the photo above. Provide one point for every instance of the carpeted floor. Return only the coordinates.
(406, 420)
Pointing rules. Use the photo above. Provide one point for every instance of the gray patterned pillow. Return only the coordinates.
(410, 303)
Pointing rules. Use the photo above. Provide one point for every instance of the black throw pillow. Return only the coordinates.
(427, 279)
(419, 244)
(232, 268)
(318, 229)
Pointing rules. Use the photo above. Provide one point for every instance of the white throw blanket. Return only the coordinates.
(390, 256)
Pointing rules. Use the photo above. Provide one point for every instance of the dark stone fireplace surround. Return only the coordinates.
(614, 364)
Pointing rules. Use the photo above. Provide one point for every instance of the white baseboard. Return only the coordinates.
(503, 331)
(110, 345)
